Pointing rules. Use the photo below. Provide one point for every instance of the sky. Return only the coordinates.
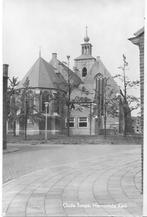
(59, 26)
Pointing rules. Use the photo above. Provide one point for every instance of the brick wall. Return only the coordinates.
(139, 41)
(141, 48)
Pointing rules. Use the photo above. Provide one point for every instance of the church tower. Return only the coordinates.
(84, 62)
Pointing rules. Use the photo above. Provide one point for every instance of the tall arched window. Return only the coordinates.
(84, 72)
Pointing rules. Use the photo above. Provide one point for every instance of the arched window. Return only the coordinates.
(84, 72)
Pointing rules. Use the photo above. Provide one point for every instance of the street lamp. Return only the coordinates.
(46, 105)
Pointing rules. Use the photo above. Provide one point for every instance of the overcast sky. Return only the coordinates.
(59, 26)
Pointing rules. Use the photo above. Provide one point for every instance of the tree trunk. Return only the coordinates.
(14, 128)
(25, 127)
(105, 130)
(125, 123)
(25, 131)
(127, 120)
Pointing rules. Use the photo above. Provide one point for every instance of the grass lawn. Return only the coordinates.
(84, 139)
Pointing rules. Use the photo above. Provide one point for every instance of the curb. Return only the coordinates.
(10, 151)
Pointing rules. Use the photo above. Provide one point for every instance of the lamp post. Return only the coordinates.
(46, 105)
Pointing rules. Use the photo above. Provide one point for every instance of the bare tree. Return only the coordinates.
(127, 102)
(28, 110)
(70, 85)
(106, 101)
(13, 107)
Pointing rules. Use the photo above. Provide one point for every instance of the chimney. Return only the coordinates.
(98, 58)
(54, 55)
(5, 70)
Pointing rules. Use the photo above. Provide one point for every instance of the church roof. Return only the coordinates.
(63, 70)
(42, 75)
(84, 57)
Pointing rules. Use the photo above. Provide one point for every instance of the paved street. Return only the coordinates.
(72, 180)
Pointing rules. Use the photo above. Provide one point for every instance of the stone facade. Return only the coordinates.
(136, 123)
(141, 48)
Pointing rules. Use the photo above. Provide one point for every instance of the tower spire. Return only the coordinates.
(86, 38)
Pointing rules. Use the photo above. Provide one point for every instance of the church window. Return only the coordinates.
(82, 122)
(56, 103)
(84, 72)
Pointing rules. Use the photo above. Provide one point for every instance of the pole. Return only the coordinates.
(105, 109)
(46, 105)
(90, 119)
(98, 97)
(5, 115)
(142, 165)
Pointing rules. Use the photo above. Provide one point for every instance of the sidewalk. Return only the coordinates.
(15, 147)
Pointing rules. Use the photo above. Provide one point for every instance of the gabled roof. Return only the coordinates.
(139, 32)
(137, 35)
(84, 57)
(42, 75)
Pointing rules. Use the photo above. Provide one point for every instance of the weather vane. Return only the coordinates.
(39, 51)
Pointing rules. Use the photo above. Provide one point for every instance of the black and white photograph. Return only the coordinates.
(73, 108)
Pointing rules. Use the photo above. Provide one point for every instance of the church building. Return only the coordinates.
(91, 96)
